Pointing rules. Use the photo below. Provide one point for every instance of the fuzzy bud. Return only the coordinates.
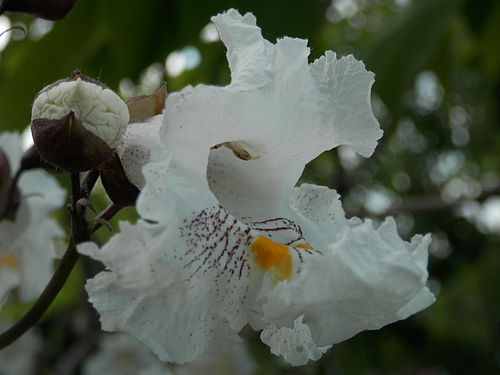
(97, 107)
(4, 172)
(9, 198)
(77, 121)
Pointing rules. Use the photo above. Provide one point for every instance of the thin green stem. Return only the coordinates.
(11, 194)
(102, 219)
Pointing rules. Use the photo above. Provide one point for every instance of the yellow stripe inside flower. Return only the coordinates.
(269, 254)
(9, 261)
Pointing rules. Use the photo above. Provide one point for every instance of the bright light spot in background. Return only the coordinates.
(488, 217)
(7, 34)
(428, 91)
(379, 109)
(403, 3)
(126, 88)
(39, 28)
(151, 78)
(178, 61)
(209, 33)
(458, 119)
(4, 25)
(341, 9)
(378, 200)
(405, 224)
(448, 163)
(408, 137)
(458, 188)
(27, 138)
(348, 158)
(401, 181)
(175, 64)
(440, 245)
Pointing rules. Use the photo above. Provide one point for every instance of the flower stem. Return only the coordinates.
(89, 182)
(102, 219)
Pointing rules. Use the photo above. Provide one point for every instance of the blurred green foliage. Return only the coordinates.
(437, 96)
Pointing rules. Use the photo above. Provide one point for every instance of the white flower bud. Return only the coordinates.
(98, 108)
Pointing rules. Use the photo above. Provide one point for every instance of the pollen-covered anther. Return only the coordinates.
(8, 260)
(269, 254)
(240, 149)
(304, 245)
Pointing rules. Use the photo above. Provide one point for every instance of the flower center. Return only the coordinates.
(8, 260)
(271, 255)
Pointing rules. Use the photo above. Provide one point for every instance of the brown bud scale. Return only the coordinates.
(116, 183)
(67, 145)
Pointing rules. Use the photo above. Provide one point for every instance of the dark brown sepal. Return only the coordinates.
(31, 159)
(120, 190)
(49, 9)
(10, 197)
(67, 145)
(4, 172)
(145, 106)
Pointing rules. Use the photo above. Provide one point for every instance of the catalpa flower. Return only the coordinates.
(26, 239)
(226, 239)
(120, 354)
(21, 357)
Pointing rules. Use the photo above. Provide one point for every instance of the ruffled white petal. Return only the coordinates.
(121, 354)
(295, 345)
(235, 361)
(9, 279)
(21, 356)
(285, 110)
(186, 278)
(247, 52)
(367, 279)
(173, 297)
(137, 145)
(347, 85)
(29, 238)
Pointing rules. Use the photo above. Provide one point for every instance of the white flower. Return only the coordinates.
(136, 146)
(99, 109)
(120, 354)
(26, 242)
(20, 357)
(226, 239)
(235, 361)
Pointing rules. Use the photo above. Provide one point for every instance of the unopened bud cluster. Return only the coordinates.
(78, 123)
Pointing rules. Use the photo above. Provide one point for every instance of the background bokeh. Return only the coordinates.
(437, 168)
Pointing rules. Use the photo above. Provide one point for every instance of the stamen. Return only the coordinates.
(304, 245)
(240, 149)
